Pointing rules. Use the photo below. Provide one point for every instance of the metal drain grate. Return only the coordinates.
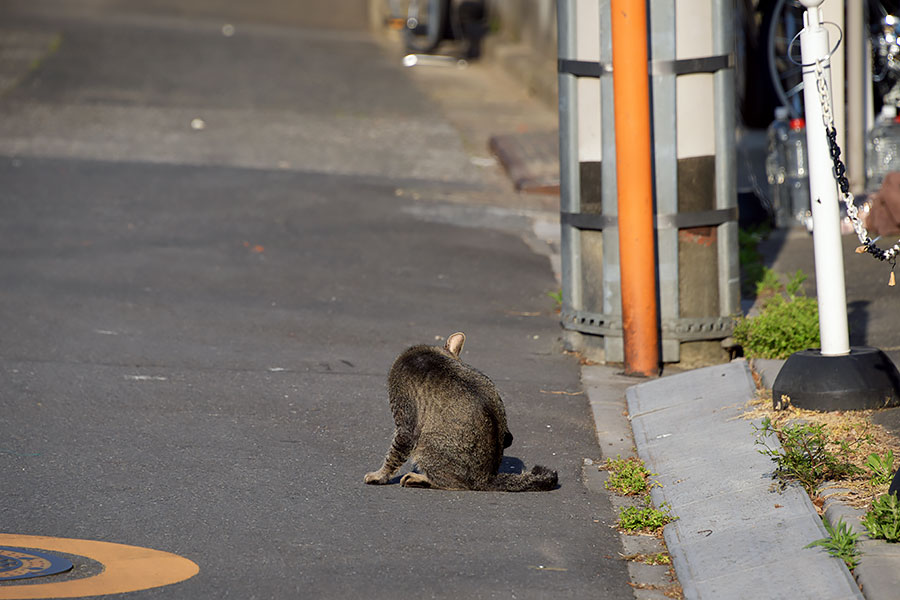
(19, 563)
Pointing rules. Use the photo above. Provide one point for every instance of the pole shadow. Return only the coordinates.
(858, 320)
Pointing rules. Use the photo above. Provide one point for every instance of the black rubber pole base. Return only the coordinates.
(864, 379)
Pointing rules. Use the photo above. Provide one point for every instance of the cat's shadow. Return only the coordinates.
(511, 464)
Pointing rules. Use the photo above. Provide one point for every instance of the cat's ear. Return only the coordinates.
(455, 343)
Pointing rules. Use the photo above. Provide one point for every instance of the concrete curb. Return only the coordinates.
(687, 428)
(767, 369)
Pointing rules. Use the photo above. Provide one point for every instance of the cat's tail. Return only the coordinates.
(539, 479)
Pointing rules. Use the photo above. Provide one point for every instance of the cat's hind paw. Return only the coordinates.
(413, 479)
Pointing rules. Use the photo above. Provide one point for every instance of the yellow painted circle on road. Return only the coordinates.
(125, 568)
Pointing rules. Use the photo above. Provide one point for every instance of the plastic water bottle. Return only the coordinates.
(777, 135)
(796, 176)
(882, 148)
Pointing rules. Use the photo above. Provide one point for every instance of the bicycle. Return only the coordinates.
(427, 24)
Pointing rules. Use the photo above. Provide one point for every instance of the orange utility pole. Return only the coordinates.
(634, 179)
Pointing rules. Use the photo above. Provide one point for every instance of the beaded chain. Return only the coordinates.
(840, 176)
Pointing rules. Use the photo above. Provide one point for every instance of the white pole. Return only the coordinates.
(829, 259)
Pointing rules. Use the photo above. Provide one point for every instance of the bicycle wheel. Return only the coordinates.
(426, 25)
(787, 77)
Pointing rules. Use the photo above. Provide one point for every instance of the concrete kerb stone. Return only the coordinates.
(730, 526)
(640, 594)
(642, 544)
(767, 370)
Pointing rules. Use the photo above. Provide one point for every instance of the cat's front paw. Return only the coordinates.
(376, 478)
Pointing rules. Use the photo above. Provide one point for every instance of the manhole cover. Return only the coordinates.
(18, 563)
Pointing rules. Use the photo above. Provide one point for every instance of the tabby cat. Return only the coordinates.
(450, 420)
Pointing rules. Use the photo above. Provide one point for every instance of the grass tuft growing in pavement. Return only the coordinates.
(628, 476)
(808, 453)
(658, 558)
(882, 521)
(645, 518)
(840, 543)
(849, 436)
(882, 468)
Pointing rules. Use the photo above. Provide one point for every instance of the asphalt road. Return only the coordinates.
(196, 322)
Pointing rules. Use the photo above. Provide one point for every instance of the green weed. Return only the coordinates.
(882, 521)
(769, 284)
(788, 321)
(882, 468)
(628, 476)
(646, 518)
(556, 297)
(840, 543)
(804, 455)
(659, 558)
